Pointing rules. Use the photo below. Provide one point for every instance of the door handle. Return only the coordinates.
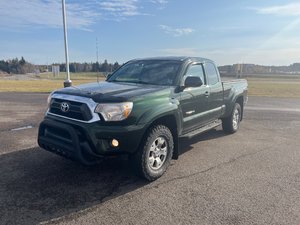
(206, 93)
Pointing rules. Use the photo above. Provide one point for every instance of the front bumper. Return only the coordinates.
(87, 143)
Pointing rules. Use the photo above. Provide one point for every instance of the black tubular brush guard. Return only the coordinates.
(64, 140)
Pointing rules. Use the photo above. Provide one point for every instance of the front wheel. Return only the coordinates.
(155, 153)
(231, 123)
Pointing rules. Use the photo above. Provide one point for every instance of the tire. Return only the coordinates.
(231, 123)
(155, 153)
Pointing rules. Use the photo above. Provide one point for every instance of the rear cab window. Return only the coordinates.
(211, 73)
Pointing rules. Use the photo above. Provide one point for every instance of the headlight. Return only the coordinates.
(49, 99)
(114, 111)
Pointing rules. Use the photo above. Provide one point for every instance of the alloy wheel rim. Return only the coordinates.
(235, 119)
(158, 153)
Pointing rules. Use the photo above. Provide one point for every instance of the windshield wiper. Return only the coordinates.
(143, 82)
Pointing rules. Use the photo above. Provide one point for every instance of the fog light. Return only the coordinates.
(114, 143)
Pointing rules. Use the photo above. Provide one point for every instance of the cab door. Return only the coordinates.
(193, 100)
(215, 98)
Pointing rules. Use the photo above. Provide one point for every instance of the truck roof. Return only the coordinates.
(176, 58)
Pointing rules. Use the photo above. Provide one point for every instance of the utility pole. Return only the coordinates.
(97, 50)
(97, 63)
(67, 82)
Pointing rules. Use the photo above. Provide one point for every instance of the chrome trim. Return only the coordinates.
(88, 101)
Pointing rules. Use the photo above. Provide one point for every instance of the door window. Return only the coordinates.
(196, 70)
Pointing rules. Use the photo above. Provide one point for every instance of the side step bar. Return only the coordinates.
(202, 129)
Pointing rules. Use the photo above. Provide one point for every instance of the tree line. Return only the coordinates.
(76, 67)
(21, 66)
(16, 66)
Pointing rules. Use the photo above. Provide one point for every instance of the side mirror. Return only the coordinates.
(192, 81)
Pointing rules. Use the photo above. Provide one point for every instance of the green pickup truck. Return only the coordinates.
(142, 110)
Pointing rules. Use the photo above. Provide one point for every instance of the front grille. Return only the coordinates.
(76, 110)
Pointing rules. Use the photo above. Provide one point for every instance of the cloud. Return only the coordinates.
(260, 56)
(160, 3)
(120, 9)
(45, 13)
(176, 32)
(292, 9)
(19, 14)
(272, 54)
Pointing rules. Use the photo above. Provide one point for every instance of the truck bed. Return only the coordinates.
(230, 90)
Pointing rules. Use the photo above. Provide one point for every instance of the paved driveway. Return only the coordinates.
(251, 177)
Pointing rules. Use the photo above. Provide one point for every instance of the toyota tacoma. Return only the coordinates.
(142, 110)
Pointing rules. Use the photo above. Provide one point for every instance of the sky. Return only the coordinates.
(226, 31)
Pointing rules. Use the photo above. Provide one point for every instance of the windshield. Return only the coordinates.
(155, 72)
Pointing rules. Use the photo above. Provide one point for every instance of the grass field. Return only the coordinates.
(275, 87)
(45, 82)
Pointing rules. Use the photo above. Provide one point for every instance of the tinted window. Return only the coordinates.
(196, 70)
(211, 73)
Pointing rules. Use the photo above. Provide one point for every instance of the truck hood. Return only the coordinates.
(111, 91)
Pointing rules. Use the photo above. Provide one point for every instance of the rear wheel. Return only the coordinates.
(231, 123)
(155, 153)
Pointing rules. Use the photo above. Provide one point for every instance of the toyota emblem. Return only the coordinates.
(64, 107)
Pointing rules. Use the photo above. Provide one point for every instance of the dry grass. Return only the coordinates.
(74, 76)
(44, 82)
(36, 85)
(276, 87)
